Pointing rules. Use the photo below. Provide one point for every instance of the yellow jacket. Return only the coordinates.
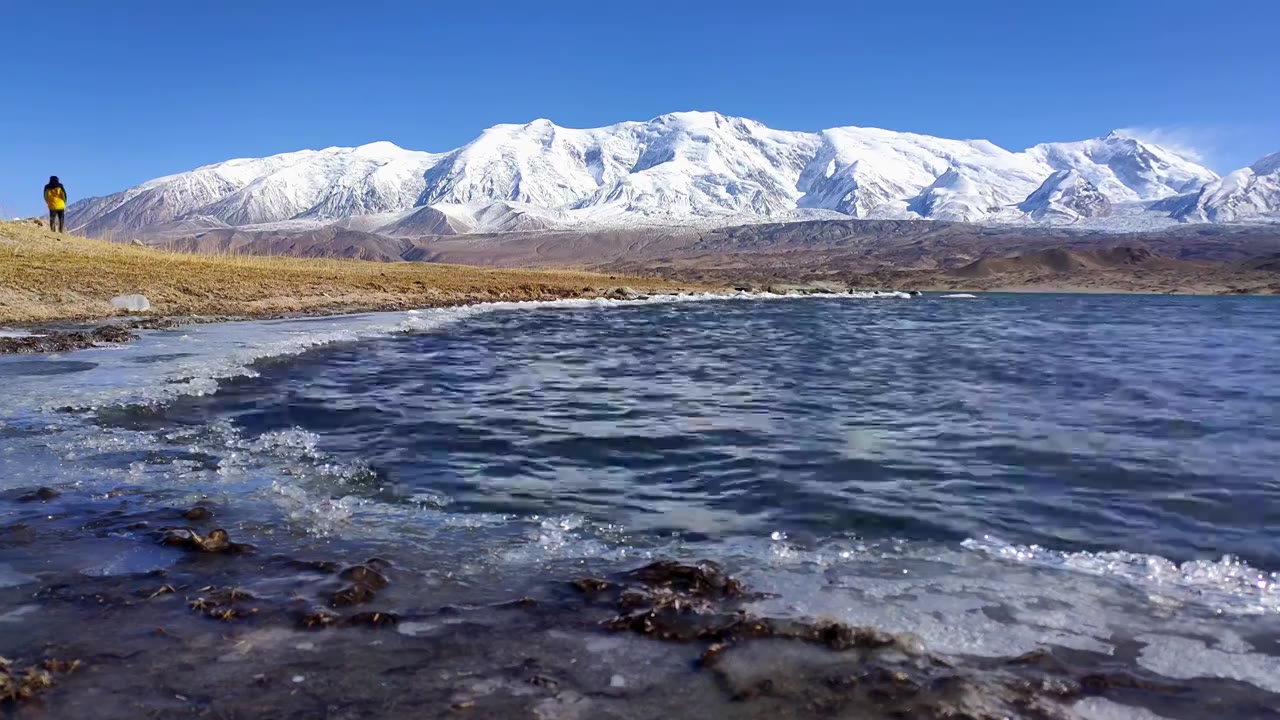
(55, 198)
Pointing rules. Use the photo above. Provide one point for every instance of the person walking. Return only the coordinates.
(55, 196)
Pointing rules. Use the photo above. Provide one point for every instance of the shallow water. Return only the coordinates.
(1093, 475)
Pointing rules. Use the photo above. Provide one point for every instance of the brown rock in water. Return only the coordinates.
(222, 603)
(112, 334)
(518, 603)
(197, 513)
(374, 619)
(44, 494)
(319, 566)
(17, 534)
(165, 589)
(686, 602)
(233, 595)
(704, 578)
(712, 654)
(217, 541)
(353, 595)
(365, 575)
(1101, 683)
(22, 685)
(158, 323)
(228, 614)
(62, 667)
(316, 619)
(592, 586)
(835, 669)
(378, 563)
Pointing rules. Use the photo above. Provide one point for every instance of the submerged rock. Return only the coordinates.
(197, 513)
(326, 567)
(592, 586)
(374, 619)
(315, 619)
(355, 594)
(223, 603)
(366, 576)
(217, 541)
(701, 579)
(835, 669)
(21, 685)
(43, 494)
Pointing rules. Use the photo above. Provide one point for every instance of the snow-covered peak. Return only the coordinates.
(1125, 168)
(1065, 196)
(1268, 165)
(695, 167)
(870, 172)
(380, 150)
(957, 196)
(694, 118)
(1248, 194)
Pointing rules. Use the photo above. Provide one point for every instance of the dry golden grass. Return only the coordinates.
(46, 277)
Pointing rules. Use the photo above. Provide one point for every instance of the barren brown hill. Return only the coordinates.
(327, 242)
(1120, 269)
(1268, 263)
(863, 245)
(1064, 262)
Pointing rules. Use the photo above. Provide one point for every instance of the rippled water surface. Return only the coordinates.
(1100, 473)
(1150, 425)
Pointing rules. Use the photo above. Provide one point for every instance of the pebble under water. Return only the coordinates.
(1015, 506)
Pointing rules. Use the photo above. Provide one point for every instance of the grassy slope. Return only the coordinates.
(46, 277)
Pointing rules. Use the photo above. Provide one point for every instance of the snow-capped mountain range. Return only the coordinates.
(692, 168)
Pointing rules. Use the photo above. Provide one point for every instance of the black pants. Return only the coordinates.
(57, 215)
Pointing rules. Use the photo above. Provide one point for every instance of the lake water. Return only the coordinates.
(1093, 477)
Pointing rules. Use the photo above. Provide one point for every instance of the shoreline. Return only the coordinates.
(51, 338)
(72, 335)
(66, 284)
(47, 278)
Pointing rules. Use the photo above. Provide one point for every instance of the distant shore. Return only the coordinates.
(47, 279)
(1117, 269)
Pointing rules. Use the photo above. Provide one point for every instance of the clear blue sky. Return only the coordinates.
(108, 94)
